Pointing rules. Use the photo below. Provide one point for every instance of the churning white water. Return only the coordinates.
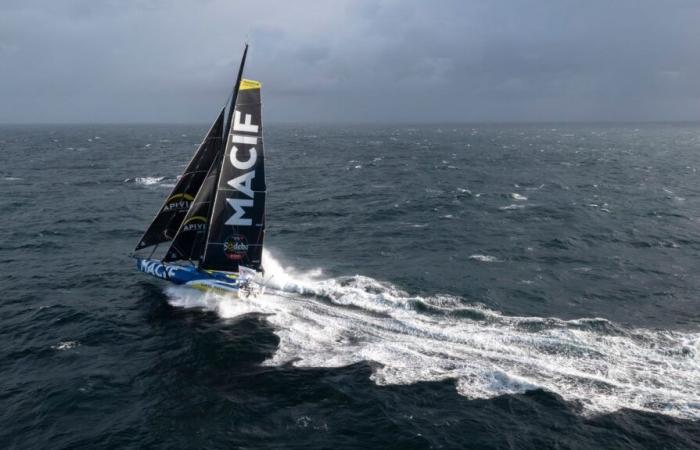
(340, 321)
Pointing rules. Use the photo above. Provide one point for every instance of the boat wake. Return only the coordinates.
(340, 321)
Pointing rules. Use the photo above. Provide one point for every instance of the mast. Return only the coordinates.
(224, 136)
(235, 94)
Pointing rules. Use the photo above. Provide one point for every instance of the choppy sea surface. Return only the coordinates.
(447, 286)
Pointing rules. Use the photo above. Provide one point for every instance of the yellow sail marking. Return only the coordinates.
(202, 218)
(249, 84)
(187, 197)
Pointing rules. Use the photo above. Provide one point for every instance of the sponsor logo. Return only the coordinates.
(179, 205)
(235, 247)
(178, 202)
(197, 224)
(195, 227)
(157, 269)
(243, 133)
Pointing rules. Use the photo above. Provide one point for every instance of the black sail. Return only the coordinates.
(237, 225)
(189, 241)
(172, 213)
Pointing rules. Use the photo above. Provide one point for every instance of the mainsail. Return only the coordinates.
(237, 225)
(172, 213)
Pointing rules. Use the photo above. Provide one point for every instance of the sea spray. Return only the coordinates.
(335, 322)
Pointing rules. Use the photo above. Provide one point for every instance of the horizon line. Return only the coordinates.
(367, 123)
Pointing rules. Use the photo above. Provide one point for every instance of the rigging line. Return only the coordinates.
(208, 141)
(182, 255)
(217, 162)
(155, 247)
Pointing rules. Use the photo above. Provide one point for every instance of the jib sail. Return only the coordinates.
(172, 213)
(237, 225)
(189, 241)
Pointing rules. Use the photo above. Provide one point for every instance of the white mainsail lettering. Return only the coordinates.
(240, 139)
(242, 183)
(237, 218)
(243, 165)
(246, 126)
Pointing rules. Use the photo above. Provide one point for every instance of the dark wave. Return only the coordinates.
(534, 296)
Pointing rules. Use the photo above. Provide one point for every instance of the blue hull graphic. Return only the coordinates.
(191, 276)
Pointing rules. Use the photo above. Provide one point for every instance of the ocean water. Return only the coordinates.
(451, 286)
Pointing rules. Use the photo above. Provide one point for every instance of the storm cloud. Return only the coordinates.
(351, 60)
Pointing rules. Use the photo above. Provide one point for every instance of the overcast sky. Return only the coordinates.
(351, 60)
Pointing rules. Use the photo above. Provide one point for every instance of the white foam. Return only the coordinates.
(334, 322)
(483, 258)
(518, 197)
(511, 207)
(146, 181)
(65, 345)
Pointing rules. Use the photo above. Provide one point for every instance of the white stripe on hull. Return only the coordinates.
(214, 285)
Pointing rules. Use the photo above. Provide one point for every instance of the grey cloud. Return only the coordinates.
(349, 60)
